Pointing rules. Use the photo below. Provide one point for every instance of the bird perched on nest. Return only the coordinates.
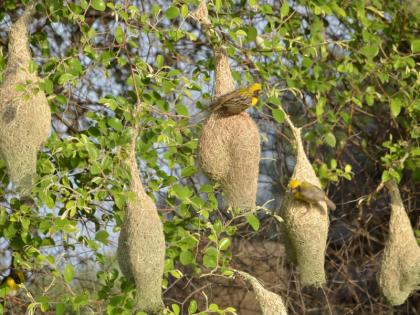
(309, 193)
(237, 101)
(232, 103)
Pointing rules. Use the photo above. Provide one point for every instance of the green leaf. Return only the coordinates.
(192, 308)
(69, 273)
(102, 236)
(319, 109)
(61, 99)
(370, 51)
(213, 307)
(119, 200)
(159, 61)
(253, 221)
(225, 243)
(210, 257)
(347, 168)
(75, 66)
(184, 10)
(119, 34)
(284, 8)
(206, 188)
(176, 309)
(218, 5)
(181, 109)
(182, 192)
(65, 77)
(415, 45)
(47, 86)
(99, 5)
(188, 171)
(3, 216)
(395, 106)
(209, 261)
(186, 257)
(115, 123)
(172, 13)
(330, 139)
(251, 33)
(60, 308)
(95, 169)
(32, 66)
(278, 115)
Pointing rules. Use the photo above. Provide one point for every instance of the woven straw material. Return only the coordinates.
(270, 303)
(306, 225)
(141, 245)
(399, 273)
(229, 146)
(25, 116)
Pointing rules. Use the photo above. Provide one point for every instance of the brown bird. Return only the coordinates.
(309, 193)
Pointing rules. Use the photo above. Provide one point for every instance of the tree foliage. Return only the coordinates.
(346, 71)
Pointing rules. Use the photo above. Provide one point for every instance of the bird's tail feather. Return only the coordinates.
(200, 116)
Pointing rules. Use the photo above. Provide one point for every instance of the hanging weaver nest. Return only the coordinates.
(229, 146)
(306, 225)
(25, 116)
(399, 273)
(141, 244)
(270, 303)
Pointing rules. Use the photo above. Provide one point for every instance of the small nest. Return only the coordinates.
(25, 117)
(399, 273)
(270, 303)
(306, 226)
(141, 244)
(229, 146)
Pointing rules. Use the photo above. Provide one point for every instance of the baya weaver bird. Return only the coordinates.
(309, 193)
(13, 280)
(237, 101)
(232, 103)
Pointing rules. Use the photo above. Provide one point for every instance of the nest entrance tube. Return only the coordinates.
(306, 225)
(399, 273)
(141, 244)
(25, 116)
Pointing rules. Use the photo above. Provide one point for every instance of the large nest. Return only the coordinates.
(399, 274)
(141, 245)
(229, 146)
(306, 226)
(25, 116)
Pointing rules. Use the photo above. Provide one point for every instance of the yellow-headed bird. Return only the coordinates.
(14, 279)
(237, 101)
(309, 193)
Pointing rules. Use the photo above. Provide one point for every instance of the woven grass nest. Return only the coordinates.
(141, 244)
(229, 146)
(25, 116)
(399, 273)
(270, 303)
(306, 226)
